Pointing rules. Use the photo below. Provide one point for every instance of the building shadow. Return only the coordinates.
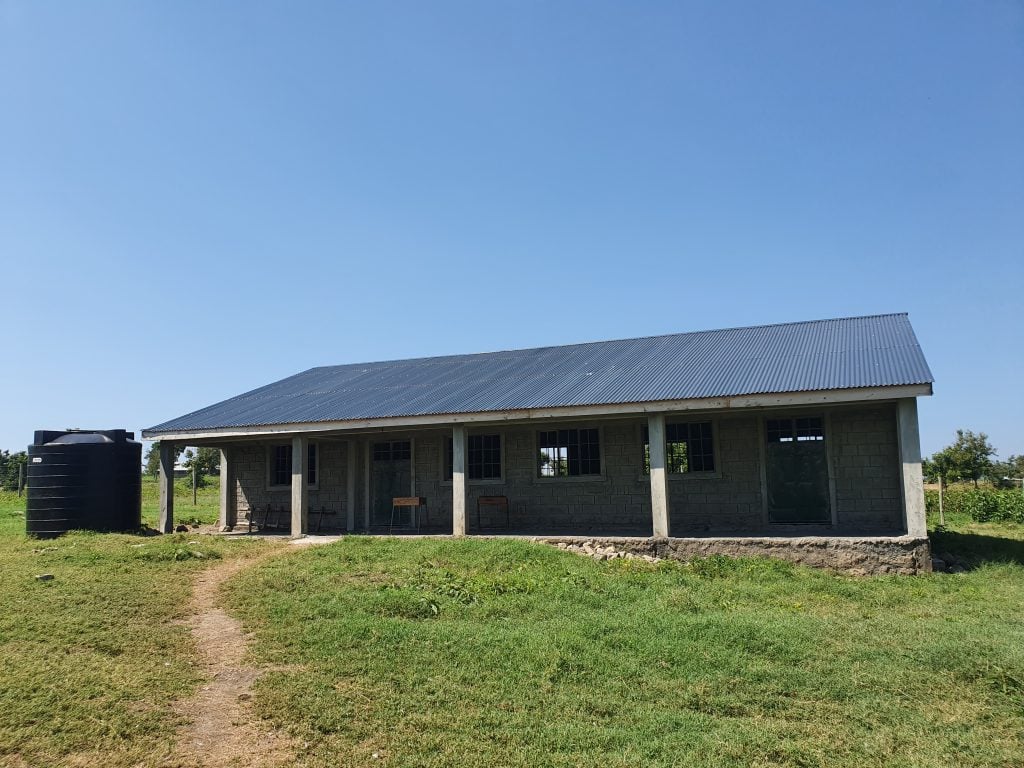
(971, 550)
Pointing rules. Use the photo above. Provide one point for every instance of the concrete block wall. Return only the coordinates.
(429, 450)
(251, 490)
(862, 443)
(729, 499)
(618, 500)
(866, 461)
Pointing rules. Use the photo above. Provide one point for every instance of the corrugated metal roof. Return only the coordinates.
(874, 351)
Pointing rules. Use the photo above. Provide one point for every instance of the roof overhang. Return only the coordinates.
(774, 400)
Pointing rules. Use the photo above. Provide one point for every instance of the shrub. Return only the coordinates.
(982, 505)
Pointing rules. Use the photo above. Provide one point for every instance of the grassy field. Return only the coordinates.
(477, 653)
(92, 659)
(205, 510)
(502, 653)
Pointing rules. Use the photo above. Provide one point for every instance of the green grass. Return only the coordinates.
(505, 653)
(204, 512)
(480, 653)
(91, 659)
(12, 507)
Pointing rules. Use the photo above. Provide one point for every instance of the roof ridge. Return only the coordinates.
(603, 341)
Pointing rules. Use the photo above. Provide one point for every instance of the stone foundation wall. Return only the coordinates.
(857, 556)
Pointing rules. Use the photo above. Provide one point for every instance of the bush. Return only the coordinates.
(982, 505)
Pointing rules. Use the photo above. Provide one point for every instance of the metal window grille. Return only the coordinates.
(689, 447)
(281, 468)
(569, 452)
(804, 429)
(282, 465)
(392, 450)
(483, 457)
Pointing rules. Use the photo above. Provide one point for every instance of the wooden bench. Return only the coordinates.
(273, 519)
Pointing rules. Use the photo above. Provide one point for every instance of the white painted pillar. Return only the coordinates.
(458, 481)
(350, 483)
(228, 507)
(910, 459)
(659, 478)
(300, 490)
(166, 522)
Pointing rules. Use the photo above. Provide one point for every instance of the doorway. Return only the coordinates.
(796, 463)
(390, 476)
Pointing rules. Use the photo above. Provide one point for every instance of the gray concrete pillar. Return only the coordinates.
(366, 485)
(300, 489)
(350, 485)
(910, 476)
(458, 481)
(166, 522)
(659, 476)
(228, 508)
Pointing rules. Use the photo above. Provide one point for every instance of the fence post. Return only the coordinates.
(21, 479)
(193, 485)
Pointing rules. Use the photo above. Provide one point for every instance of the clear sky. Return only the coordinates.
(199, 198)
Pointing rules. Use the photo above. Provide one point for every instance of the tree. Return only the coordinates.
(1013, 468)
(941, 467)
(9, 463)
(152, 458)
(968, 458)
(205, 460)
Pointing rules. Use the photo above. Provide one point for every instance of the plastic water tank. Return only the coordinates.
(83, 479)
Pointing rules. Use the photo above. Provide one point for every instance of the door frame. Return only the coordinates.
(370, 495)
(762, 449)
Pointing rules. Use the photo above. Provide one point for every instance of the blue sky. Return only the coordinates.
(199, 198)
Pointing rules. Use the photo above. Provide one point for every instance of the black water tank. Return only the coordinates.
(83, 479)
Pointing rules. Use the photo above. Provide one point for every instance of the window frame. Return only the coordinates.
(446, 459)
(716, 453)
(311, 467)
(601, 475)
(376, 454)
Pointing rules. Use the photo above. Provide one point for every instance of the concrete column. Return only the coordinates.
(366, 485)
(350, 486)
(910, 477)
(659, 477)
(166, 522)
(459, 481)
(300, 490)
(228, 508)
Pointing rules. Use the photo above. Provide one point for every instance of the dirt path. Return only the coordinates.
(224, 731)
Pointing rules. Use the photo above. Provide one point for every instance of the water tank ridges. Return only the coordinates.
(83, 479)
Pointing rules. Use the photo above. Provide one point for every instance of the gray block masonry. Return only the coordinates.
(863, 455)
